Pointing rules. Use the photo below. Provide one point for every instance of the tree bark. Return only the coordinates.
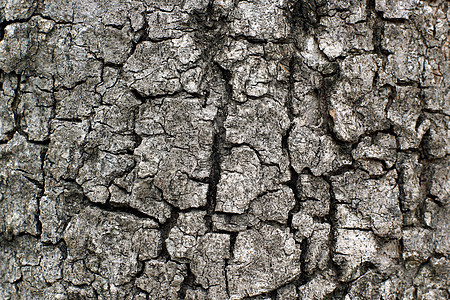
(224, 149)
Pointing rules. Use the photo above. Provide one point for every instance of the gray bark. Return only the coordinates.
(224, 149)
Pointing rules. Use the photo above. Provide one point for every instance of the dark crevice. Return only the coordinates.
(305, 15)
(233, 237)
(8, 237)
(140, 269)
(188, 282)
(43, 143)
(62, 246)
(435, 111)
(15, 107)
(165, 230)
(120, 208)
(291, 91)
(339, 292)
(392, 95)
(332, 219)
(5, 23)
(304, 248)
(218, 146)
(323, 95)
(285, 142)
(398, 21)
(42, 190)
(140, 36)
(294, 185)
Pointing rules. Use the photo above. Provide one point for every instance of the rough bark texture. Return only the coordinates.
(224, 149)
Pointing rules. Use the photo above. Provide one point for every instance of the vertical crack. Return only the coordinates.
(233, 236)
(15, 106)
(216, 157)
(165, 230)
(41, 192)
(342, 288)
(189, 281)
(292, 183)
(218, 146)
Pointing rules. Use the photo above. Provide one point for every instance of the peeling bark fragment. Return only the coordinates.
(257, 71)
(108, 43)
(356, 105)
(287, 292)
(261, 19)
(34, 267)
(107, 167)
(17, 9)
(440, 183)
(7, 93)
(208, 264)
(262, 124)
(406, 51)
(442, 231)
(162, 279)
(318, 288)
(274, 206)
(60, 202)
(70, 66)
(317, 252)
(243, 178)
(118, 117)
(432, 280)
(374, 154)
(436, 92)
(36, 107)
(336, 38)
(304, 223)
(372, 285)
(177, 161)
(313, 58)
(8, 290)
(239, 182)
(318, 152)
(263, 259)
(64, 157)
(102, 138)
(108, 244)
(77, 102)
(231, 223)
(404, 114)
(418, 243)
(352, 248)
(412, 193)
(397, 9)
(163, 25)
(197, 294)
(20, 186)
(350, 218)
(20, 157)
(315, 195)
(377, 199)
(111, 12)
(18, 43)
(437, 139)
(143, 196)
(257, 79)
(155, 68)
(183, 239)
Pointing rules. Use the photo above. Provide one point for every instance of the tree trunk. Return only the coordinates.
(227, 149)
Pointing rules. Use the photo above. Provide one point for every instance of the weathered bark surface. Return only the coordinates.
(224, 149)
